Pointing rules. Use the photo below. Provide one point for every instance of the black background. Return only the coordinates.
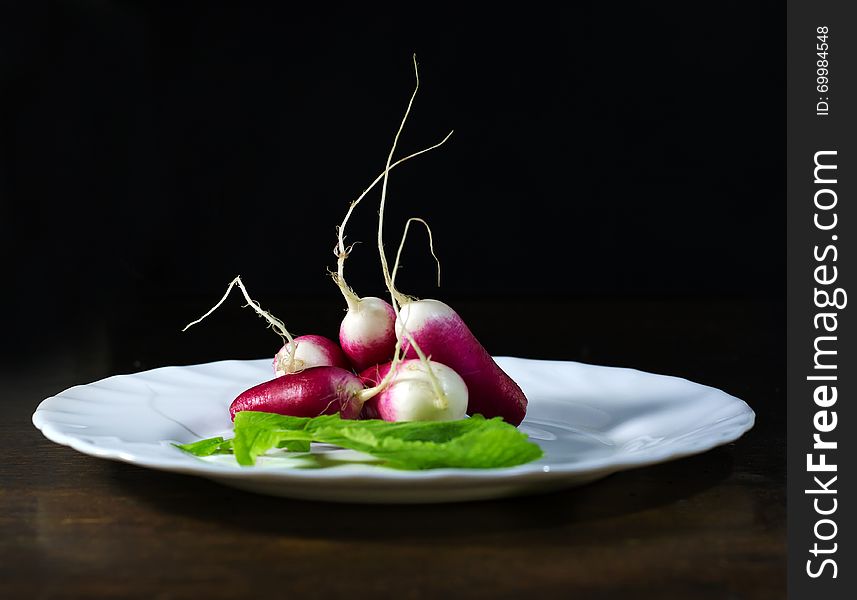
(149, 152)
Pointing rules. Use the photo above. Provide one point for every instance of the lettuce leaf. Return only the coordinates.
(207, 447)
(474, 443)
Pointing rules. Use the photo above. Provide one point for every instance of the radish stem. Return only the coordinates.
(397, 297)
(384, 267)
(341, 251)
(402, 245)
(273, 322)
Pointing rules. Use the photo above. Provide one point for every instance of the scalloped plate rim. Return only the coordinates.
(592, 469)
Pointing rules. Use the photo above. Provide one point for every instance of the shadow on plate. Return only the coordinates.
(620, 494)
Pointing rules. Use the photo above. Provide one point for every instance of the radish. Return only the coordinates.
(441, 334)
(308, 351)
(410, 395)
(367, 333)
(310, 393)
(430, 328)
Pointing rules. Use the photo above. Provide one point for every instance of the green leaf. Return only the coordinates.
(294, 445)
(215, 445)
(474, 443)
(257, 432)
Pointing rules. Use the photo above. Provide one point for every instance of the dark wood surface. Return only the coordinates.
(709, 526)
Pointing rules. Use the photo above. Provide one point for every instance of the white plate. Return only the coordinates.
(591, 421)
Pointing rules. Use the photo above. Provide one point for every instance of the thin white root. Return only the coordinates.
(273, 322)
(384, 266)
(366, 394)
(340, 250)
(396, 264)
(395, 296)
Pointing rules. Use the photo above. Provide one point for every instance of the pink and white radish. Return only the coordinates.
(410, 395)
(430, 328)
(310, 393)
(367, 333)
(441, 334)
(306, 351)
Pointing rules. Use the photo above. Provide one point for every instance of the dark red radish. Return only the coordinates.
(410, 395)
(442, 335)
(307, 351)
(310, 393)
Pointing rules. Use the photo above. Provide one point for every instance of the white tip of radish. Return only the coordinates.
(414, 315)
(311, 351)
(372, 319)
(411, 395)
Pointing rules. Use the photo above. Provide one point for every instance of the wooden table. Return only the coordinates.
(710, 526)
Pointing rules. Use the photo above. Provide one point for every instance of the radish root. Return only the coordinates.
(397, 297)
(341, 251)
(273, 322)
(396, 264)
